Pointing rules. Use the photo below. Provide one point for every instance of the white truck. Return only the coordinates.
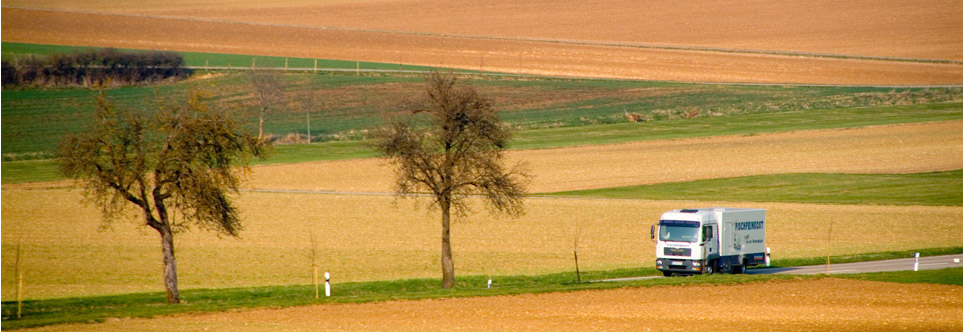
(710, 240)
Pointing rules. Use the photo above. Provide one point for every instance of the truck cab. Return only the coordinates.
(709, 240)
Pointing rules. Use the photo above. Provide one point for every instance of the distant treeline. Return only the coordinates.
(104, 67)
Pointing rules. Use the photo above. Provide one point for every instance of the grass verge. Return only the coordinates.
(145, 305)
(931, 189)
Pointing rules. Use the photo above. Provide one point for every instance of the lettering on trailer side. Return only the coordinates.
(748, 225)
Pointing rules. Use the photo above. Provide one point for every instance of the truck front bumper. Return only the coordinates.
(679, 266)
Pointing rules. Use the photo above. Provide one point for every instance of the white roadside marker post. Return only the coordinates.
(767, 258)
(490, 284)
(916, 260)
(327, 285)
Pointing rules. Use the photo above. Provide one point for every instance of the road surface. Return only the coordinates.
(904, 264)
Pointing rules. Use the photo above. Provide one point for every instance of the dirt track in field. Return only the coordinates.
(809, 305)
(506, 55)
(879, 149)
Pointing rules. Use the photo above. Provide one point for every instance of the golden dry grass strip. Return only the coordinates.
(879, 149)
(362, 238)
(533, 57)
(808, 305)
(374, 238)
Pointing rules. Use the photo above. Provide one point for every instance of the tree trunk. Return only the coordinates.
(170, 265)
(261, 125)
(448, 269)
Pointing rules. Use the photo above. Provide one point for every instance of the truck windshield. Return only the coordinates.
(679, 231)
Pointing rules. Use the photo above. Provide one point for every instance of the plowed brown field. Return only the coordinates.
(809, 305)
(281, 38)
(879, 149)
(884, 28)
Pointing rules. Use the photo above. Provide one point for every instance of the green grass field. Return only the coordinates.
(931, 189)
(739, 124)
(36, 120)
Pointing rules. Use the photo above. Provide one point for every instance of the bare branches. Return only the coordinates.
(266, 85)
(183, 154)
(308, 102)
(461, 157)
(181, 161)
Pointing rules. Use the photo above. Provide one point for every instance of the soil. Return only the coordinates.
(491, 54)
(807, 305)
(883, 28)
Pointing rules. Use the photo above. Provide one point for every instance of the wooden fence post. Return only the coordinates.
(829, 236)
(575, 254)
(314, 280)
(19, 272)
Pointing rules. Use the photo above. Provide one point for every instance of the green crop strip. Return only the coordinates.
(930, 189)
(14, 51)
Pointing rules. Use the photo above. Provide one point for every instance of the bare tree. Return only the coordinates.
(181, 162)
(308, 102)
(266, 85)
(461, 157)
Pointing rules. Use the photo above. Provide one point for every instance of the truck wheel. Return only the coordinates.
(709, 269)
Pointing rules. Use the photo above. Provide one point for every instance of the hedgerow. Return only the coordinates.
(103, 67)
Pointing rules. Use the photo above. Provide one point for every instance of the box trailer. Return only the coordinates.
(710, 240)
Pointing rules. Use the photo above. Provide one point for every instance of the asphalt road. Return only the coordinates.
(905, 264)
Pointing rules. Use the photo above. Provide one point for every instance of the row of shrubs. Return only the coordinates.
(103, 67)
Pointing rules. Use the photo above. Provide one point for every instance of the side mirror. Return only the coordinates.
(652, 231)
